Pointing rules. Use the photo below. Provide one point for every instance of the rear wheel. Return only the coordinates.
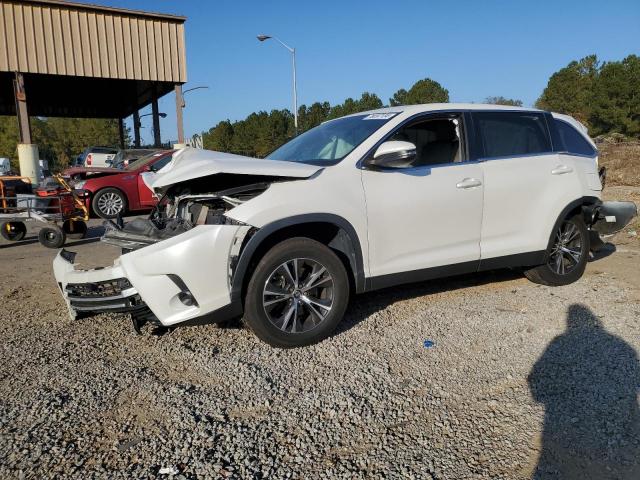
(13, 231)
(297, 295)
(52, 236)
(109, 202)
(567, 256)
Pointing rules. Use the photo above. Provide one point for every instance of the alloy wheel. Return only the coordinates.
(298, 295)
(567, 249)
(110, 203)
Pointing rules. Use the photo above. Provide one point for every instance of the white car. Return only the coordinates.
(359, 203)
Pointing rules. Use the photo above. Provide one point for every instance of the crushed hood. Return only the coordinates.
(190, 163)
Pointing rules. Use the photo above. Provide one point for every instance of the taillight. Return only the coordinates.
(89, 159)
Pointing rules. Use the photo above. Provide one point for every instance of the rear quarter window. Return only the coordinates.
(572, 140)
(505, 134)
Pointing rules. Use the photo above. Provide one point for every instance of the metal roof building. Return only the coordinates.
(68, 59)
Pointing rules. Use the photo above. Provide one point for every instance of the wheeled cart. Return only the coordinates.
(54, 205)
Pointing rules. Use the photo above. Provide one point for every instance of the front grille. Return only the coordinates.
(106, 288)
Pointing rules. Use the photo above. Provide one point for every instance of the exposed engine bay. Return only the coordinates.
(201, 201)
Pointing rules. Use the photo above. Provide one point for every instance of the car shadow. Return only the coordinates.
(603, 252)
(588, 381)
(363, 306)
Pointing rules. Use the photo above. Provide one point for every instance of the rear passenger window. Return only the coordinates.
(573, 141)
(506, 134)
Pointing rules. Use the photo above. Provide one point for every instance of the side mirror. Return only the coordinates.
(393, 154)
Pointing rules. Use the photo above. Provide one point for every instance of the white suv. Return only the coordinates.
(359, 203)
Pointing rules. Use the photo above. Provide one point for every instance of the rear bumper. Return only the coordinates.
(180, 280)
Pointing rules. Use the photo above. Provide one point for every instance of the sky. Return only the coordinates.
(475, 49)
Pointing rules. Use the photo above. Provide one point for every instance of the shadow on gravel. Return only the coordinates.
(588, 381)
(606, 250)
(364, 305)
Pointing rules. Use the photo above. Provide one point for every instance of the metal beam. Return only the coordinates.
(156, 122)
(121, 132)
(136, 129)
(24, 125)
(179, 107)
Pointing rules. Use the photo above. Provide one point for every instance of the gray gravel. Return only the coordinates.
(509, 382)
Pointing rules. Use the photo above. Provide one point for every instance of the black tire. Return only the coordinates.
(108, 203)
(13, 231)
(52, 236)
(562, 267)
(74, 228)
(329, 297)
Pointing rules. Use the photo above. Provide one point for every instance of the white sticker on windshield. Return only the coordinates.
(380, 116)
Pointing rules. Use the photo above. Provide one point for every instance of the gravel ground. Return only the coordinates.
(522, 381)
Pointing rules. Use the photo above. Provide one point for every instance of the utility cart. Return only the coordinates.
(53, 205)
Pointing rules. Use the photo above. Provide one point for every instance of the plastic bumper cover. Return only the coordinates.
(179, 279)
(611, 217)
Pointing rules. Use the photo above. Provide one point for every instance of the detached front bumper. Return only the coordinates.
(179, 280)
(611, 217)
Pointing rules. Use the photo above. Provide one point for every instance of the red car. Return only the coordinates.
(109, 191)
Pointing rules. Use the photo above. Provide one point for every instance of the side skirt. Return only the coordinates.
(413, 276)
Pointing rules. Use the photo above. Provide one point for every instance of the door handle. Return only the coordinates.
(469, 183)
(561, 169)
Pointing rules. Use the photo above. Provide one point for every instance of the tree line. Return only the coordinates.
(59, 140)
(605, 96)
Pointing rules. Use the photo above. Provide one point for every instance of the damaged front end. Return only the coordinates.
(177, 265)
(184, 207)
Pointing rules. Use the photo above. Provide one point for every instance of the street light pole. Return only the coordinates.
(262, 38)
(180, 104)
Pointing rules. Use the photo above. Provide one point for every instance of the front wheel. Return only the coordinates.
(567, 256)
(297, 294)
(108, 203)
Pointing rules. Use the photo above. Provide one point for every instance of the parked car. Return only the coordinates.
(124, 157)
(97, 156)
(109, 191)
(359, 203)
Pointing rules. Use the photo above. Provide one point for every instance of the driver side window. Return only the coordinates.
(437, 140)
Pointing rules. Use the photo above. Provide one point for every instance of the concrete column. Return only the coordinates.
(29, 158)
(136, 129)
(179, 107)
(156, 122)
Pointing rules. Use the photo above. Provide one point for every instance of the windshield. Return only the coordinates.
(330, 142)
(142, 161)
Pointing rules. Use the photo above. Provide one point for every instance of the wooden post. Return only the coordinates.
(24, 125)
(179, 107)
(156, 121)
(121, 132)
(136, 129)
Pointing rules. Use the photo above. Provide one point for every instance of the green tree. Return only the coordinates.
(309, 117)
(569, 90)
(423, 91)
(219, 138)
(59, 139)
(615, 98)
(368, 101)
(503, 101)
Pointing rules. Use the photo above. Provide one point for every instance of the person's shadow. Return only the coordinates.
(588, 381)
